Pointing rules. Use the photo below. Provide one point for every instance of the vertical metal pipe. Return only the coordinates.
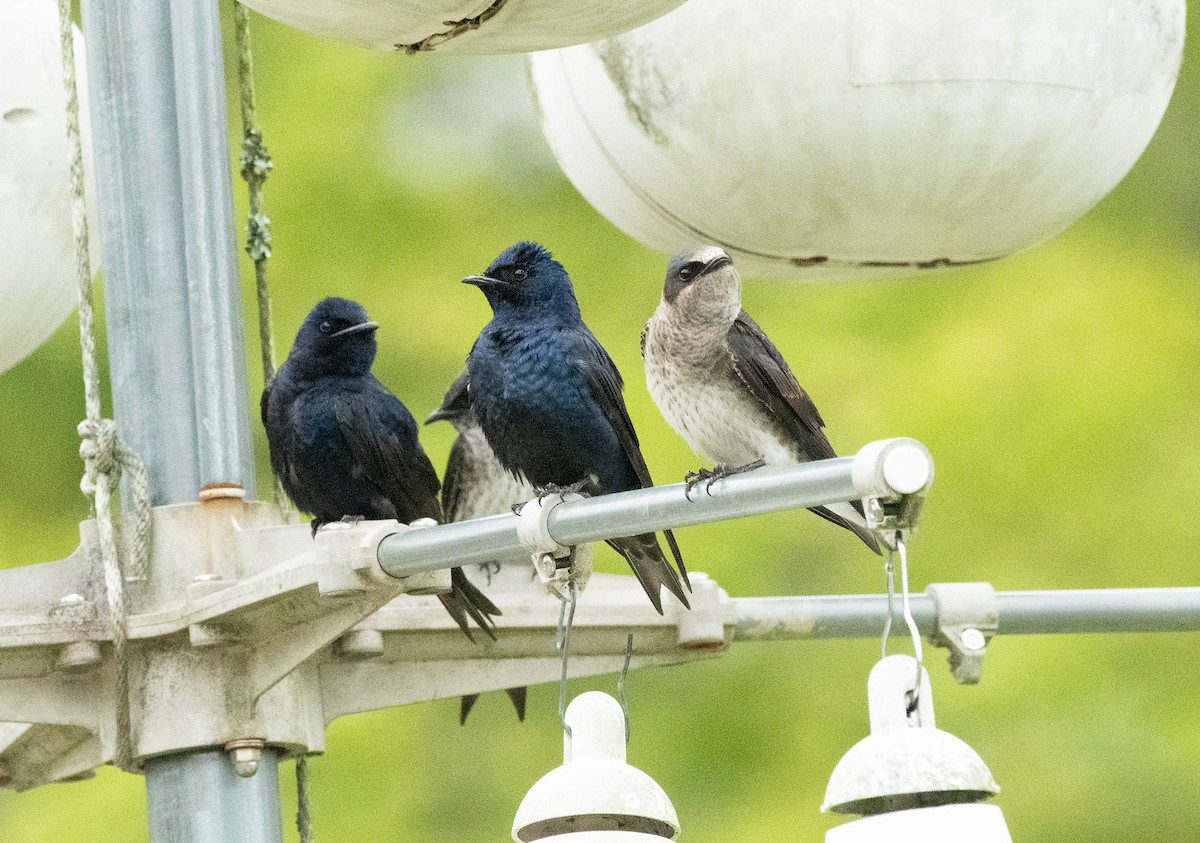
(174, 322)
(136, 145)
(194, 796)
(174, 326)
(225, 451)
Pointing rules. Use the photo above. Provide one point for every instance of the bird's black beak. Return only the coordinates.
(716, 263)
(441, 414)
(356, 329)
(484, 282)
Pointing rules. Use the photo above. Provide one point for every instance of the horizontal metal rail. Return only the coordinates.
(1020, 613)
(886, 469)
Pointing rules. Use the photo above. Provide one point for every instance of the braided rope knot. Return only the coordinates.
(105, 458)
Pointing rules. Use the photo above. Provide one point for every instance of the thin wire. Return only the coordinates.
(563, 641)
(889, 570)
(621, 698)
(912, 624)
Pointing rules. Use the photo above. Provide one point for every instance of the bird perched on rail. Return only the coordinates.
(476, 485)
(344, 447)
(548, 398)
(723, 385)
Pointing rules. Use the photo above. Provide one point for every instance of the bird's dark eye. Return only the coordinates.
(685, 274)
(325, 327)
(519, 274)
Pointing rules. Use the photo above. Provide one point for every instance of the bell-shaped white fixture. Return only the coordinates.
(849, 138)
(595, 797)
(464, 26)
(37, 253)
(914, 781)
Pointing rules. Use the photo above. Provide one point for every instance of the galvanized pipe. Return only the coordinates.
(1020, 612)
(225, 452)
(574, 522)
(197, 796)
(174, 323)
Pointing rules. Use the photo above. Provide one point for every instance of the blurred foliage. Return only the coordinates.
(1057, 390)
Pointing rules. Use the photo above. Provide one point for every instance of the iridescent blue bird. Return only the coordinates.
(548, 398)
(345, 447)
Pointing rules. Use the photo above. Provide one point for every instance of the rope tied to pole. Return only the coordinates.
(105, 456)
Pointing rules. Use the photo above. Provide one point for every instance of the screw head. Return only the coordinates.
(973, 639)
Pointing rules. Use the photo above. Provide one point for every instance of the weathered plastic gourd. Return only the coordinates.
(37, 255)
(912, 780)
(850, 138)
(474, 26)
(595, 797)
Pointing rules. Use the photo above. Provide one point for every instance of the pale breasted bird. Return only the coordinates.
(476, 485)
(723, 385)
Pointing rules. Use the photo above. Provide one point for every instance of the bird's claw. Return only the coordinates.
(554, 489)
(489, 569)
(718, 472)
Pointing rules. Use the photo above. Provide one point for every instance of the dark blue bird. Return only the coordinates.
(548, 398)
(345, 447)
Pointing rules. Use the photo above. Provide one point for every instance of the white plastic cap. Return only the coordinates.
(595, 796)
(905, 762)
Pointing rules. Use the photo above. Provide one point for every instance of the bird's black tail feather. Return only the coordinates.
(858, 529)
(517, 695)
(466, 600)
(651, 567)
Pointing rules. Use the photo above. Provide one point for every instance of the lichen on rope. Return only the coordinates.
(256, 164)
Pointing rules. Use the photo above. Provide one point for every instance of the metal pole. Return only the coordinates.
(573, 522)
(174, 322)
(171, 298)
(1020, 613)
(178, 816)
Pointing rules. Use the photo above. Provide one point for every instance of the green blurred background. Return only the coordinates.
(1058, 391)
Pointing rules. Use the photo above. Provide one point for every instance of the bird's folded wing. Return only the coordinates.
(766, 374)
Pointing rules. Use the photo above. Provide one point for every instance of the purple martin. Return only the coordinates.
(548, 398)
(724, 387)
(344, 447)
(475, 485)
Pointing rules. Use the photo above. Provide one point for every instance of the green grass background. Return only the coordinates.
(1058, 391)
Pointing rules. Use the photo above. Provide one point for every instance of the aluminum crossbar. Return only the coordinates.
(887, 469)
(1020, 613)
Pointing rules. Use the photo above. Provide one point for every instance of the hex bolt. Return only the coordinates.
(245, 753)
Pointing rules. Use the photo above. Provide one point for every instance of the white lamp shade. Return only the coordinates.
(846, 138)
(516, 27)
(943, 824)
(37, 252)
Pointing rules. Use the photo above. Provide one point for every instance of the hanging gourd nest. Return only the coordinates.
(834, 139)
(37, 263)
(476, 26)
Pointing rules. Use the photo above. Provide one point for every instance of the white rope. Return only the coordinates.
(105, 456)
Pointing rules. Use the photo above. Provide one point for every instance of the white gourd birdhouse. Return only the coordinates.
(595, 796)
(37, 252)
(848, 138)
(476, 26)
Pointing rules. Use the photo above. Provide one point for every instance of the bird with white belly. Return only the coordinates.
(723, 385)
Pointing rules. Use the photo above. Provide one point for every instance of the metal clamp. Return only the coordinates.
(557, 566)
(967, 618)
